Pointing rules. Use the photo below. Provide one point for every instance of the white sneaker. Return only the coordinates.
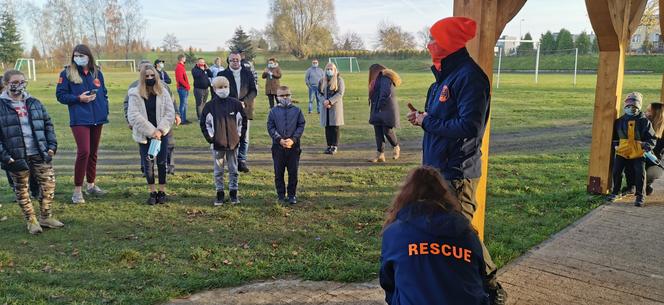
(95, 191)
(77, 198)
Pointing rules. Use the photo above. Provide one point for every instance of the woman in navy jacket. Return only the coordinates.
(430, 253)
(81, 88)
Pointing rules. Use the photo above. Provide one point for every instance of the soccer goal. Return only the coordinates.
(345, 62)
(28, 63)
(131, 62)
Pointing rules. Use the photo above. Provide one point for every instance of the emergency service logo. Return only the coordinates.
(444, 95)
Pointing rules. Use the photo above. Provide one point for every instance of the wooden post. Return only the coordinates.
(613, 21)
(491, 17)
(661, 39)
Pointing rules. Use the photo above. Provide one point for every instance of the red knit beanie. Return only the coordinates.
(450, 34)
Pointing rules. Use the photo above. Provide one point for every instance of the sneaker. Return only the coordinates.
(639, 202)
(242, 166)
(186, 122)
(220, 199)
(77, 198)
(333, 150)
(628, 190)
(50, 222)
(649, 190)
(161, 197)
(292, 200)
(612, 197)
(95, 191)
(33, 225)
(396, 152)
(380, 157)
(328, 150)
(497, 295)
(152, 200)
(234, 199)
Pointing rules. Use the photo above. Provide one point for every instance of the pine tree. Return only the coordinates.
(10, 39)
(191, 56)
(564, 41)
(547, 42)
(242, 42)
(525, 48)
(594, 48)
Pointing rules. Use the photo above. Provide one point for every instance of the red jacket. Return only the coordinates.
(181, 76)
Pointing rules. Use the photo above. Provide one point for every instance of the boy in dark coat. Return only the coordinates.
(224, 125)
(632, 136)
(27, 146)
(285, 125)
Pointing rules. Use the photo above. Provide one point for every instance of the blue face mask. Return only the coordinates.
(631, 111)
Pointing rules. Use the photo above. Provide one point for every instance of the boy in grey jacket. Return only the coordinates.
(285, 125)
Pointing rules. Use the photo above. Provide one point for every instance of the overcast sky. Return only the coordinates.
(209, 24)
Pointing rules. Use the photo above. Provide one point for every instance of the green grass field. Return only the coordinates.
(116, 250)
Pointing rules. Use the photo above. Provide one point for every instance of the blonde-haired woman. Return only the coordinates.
(151, 115)
(81, 87)
(331, 91)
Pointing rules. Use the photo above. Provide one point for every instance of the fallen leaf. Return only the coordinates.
(3, 218)
(227, 262)
(75, 252)
(47, 269)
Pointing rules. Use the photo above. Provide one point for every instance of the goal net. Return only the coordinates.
(345, 64)
(27, 65)
(117, 64)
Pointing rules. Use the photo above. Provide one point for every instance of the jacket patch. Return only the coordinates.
(97, 82)
(459, 253)
(444, 95)
(232, 113)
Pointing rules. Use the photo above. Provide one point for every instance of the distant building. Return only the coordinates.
(508, 44)
(639, 37)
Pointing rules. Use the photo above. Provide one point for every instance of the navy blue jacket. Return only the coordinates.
(12, 144)
(201, 77)
(458, 109)
(383, 100)
(285, 123)
(84, 114)
(432, 257)
(164, 76)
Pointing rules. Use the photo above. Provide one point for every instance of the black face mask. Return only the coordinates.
(150, 82)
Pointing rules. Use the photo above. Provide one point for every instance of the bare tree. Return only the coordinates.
(423, 36)
(171, 43)
(350, 41)
(112, 25)
(650, 19)
(133, 24)
(302, 27)
(392, 37)
(94, 22)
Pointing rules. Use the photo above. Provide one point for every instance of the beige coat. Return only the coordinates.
(272, 84)
(137, 116)
(336, 98)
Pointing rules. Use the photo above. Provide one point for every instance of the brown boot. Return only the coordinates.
(380, 157)
(396, 152)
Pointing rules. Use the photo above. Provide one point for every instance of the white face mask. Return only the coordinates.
(161, 65)
(223, 92)
(81, 61)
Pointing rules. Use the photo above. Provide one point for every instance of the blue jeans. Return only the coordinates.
(184, 94)
(244, 145)
(313, 90)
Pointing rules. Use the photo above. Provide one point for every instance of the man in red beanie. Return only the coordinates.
(454, 120)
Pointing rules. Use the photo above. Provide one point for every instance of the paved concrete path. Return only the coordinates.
(614, 255)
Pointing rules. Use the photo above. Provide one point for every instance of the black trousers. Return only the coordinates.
(272, 98)
(332, 135)
(382, 133)
(285, 159)
(635, 170)
(148, 165)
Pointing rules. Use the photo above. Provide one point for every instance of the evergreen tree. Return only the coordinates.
(525, 48)
(547, 42)
(594, 48)
(583, 43)
(242, 42)
(191, 57)
(564, 41)
(10, 39)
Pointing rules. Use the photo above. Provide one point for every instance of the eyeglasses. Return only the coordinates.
(234, 60)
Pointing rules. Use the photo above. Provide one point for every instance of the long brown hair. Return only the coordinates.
(72, 72)
(657, 118)
(374, 70)
(423, 186)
